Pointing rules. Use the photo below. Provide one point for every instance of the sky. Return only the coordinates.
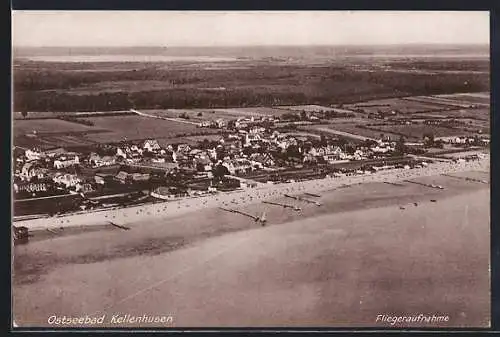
(239, 28)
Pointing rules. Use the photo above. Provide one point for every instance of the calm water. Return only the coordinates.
(127, 58)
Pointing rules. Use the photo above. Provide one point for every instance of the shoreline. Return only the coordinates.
(167, 209)
(323, 252)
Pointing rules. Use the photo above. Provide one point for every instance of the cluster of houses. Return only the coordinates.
(245, 150)
(241, 123)
(249, 146)
(465, 140)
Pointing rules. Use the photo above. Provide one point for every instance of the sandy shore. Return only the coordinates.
(342, 264)
(247, 196)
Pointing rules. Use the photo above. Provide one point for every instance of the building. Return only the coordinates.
(139, 177)
(67, 179)
(151, 145)
(55, 152)
(263, 158)
(220, 123)
(121, 153)
(65, 161)
(122, 177)
(204, 124)
(30, 170)
(96, 160)
(30, 187)
(84, 187)
(33, 154)
(183, 148)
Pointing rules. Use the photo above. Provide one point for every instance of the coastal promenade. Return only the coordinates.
(258, 194)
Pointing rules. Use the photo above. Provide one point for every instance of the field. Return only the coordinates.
(440, 101)
(48, 126)
(234, 83)
(482, 114)
(411, 132)
(55, 132)
(397, 104)
(138, 127)
(256, 111)
(483, 98)
(416, 132)
(307, 108)
(214, 114)
(344, 128)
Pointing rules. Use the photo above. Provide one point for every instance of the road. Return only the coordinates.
(345, 134)
(178, 120)
(245, 180)
(430, 158)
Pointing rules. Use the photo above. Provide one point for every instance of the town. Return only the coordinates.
(246, 151)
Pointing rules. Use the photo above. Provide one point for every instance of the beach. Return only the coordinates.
(165, 209)
(371, 248)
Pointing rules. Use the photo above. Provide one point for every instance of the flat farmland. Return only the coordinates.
(67, 140)
(308, 108)
(49, 125)
(344, 128)
(213, 114)
(347, 120)
(194, 115)
(441, 101)
(464, 154)
(42, 114)
(404, 106)
(482, 114)
(258, 111)
(416, 131)
(470, 98)
(138, 127)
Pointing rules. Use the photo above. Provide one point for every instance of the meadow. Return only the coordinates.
(47, 126)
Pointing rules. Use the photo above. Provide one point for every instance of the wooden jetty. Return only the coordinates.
(426, 185)
(295, 208)
(467, 179)
(119, 226)
(303, 199)
(262, 219)
(394, 184)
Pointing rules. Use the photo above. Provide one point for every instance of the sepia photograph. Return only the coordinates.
(266, 169)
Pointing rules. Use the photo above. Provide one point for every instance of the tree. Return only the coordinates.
(323, 141)
(219, 171)
(24, 113)
(200, 167)
(199, 114)
(428, 139)
(369, 143)
(400, 146)
(350, 149)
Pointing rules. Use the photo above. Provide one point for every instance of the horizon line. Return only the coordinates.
(263, 45)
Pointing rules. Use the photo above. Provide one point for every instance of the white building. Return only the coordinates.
(151, 145)
(34, 154)
(66, 161)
